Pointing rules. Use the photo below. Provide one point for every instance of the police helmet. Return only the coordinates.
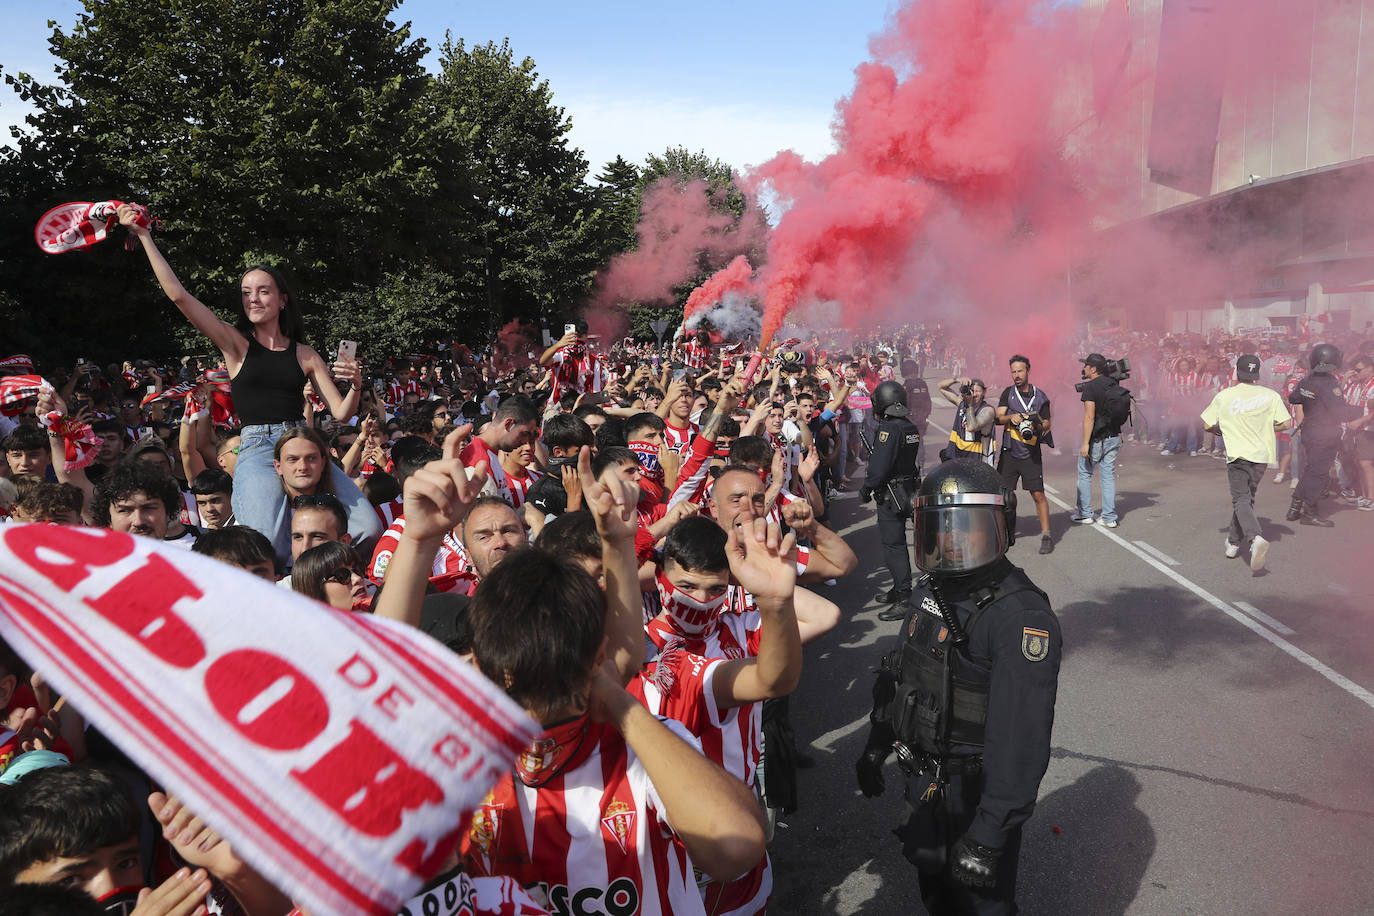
(889, 400)
(1325, 358)
(965, 519)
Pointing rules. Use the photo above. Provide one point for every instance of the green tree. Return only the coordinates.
(536, 219)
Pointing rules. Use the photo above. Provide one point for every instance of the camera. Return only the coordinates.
(1027, 427)
(1118, 369)
(966, 390)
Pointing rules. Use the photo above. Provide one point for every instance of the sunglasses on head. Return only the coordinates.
(315, 499)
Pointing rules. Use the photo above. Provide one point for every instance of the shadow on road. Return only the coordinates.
(1095, 864)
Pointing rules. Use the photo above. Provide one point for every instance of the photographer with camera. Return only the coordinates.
(1025, 412)
(971, 432)
(1103, 415)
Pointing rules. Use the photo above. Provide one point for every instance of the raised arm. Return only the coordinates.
(341, 406)
(230, 342)
(612, 503)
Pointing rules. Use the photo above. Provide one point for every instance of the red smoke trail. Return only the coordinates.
(987, 145)
(680, 234)
(735, 277)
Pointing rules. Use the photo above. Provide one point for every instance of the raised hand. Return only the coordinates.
(180, 895)
(810, 463)
(439, 495)
(762, 561)
(128, 218)
(196, 843)
(611, 500)
(348, 370)
(799, 515)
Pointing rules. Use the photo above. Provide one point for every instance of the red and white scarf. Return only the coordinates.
(80, 224)
(16, 364)
(80, 443)
(18, 393)
(339, 753)
(175, 393)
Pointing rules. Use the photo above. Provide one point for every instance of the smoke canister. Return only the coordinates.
(752, 369)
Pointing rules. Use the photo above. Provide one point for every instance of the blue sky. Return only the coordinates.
(741, 80)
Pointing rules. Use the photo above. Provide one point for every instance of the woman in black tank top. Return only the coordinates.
(268, 367)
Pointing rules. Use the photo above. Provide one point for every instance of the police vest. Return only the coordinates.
(923, 713)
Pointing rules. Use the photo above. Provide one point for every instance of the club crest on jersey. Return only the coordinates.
(486, 822)
(1035, 644)
(618, 820)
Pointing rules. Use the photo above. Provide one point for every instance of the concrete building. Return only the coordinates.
(1253, 205)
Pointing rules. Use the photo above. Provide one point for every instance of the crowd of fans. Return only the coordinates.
(619, 534)
(647, 518)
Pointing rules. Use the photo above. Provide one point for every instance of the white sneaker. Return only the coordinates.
(1259, 549)
(1111, 524)
(1232, 550)
(1165, 451)
(1081, 520)
(1193, 453)
(1278, 478)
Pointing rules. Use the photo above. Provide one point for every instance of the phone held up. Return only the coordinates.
(348, 349)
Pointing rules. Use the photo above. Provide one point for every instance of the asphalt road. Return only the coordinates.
(1205, 760)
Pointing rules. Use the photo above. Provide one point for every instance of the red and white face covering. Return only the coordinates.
(686, 615)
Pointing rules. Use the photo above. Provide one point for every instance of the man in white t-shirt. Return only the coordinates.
(1247, 415)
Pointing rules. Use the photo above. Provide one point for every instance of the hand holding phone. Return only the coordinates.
(348, 349)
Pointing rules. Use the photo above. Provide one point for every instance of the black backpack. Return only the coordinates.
(1114, 410)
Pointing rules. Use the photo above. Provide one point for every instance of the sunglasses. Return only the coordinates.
(231, 451)
(343, 575)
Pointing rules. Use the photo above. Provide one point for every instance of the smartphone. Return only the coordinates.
(348, 349)
(679, 375)
(569, 329)
(152, 389)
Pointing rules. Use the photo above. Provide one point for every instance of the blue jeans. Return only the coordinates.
(1182, 432)
(1101, 453)
(260, 502)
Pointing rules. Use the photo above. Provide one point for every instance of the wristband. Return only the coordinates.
(827, 415)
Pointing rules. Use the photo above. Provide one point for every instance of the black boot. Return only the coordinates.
(1294, 510)
(1310, 517)
(896, 595)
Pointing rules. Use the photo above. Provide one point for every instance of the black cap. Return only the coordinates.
(444, 616)
(1096, 360)
(1248, 367)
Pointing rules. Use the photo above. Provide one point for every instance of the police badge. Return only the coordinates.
(1035, 644)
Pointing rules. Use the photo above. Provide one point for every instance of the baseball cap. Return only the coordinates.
(1096, 360)
(1248, 367)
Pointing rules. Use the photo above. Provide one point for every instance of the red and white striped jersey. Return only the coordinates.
(694, 477)
(520, 486)
(396, 392)
(390, 511)
(592, 839)
(679, 438)
(1359, 393)
(477, 450)
(686, 693)
(450, 560)
(581, 371)
(695, 355)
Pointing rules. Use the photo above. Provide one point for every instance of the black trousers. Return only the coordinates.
(1319, 452)
(928, 835)
(896, 554)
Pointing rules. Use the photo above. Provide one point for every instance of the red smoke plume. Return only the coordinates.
(987, 145)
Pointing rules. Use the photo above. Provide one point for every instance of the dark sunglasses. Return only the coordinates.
(343, 575)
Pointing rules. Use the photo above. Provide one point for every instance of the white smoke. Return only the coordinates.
(735, 317)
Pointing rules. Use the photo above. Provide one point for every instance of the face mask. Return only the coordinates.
(550, 753)
(686, 615)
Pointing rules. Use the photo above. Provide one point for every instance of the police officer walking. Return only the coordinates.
(893, 475)
(966, 699)
(1324, 409)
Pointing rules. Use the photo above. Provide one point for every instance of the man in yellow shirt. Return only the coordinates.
(1247, 415)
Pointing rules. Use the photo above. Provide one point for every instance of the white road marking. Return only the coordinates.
(1283, 645)
(1157, 553)
(825, 742)
(1050, 489)
(1264, 618)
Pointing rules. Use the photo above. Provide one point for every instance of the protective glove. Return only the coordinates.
(865, 495)
(974, 865)
(869, 766)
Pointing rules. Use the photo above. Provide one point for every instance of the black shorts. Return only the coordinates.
(1364, 445)
(1030, 471)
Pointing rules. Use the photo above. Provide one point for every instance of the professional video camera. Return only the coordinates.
(1119, 369)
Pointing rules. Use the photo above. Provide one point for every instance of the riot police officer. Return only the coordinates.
(966, 699)
(1324, 409)
(893, 474)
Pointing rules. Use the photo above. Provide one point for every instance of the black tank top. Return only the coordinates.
(268, 386)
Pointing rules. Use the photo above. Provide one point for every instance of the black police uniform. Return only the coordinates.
(896, 460)
(1324, 409)
(971, 727)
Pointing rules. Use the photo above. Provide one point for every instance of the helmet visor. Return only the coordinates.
(958, 539)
